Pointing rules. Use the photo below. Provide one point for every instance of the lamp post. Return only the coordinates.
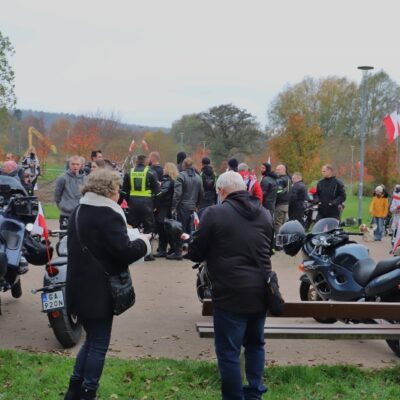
(351, 169)
(363, 133)
(181, 140)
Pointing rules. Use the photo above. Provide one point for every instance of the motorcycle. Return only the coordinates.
(18, 247)
(66, 326)
(310, 214)
(338, 269)
(203, 282)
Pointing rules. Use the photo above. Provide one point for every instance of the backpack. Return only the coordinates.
(208, 182)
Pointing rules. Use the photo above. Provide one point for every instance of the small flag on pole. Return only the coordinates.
(132, 146)
(40, 226)
(145, 145)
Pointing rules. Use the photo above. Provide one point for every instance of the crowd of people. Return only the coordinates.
(239, 217)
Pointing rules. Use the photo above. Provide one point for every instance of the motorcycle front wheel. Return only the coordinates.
(66, 327)
(308, 293)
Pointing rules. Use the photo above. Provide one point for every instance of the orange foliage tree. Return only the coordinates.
(82, 141)
(381, 162)
(298, 146)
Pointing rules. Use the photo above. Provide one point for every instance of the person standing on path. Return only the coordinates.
(379, 209)
(297, 198)
(67, 192)
(230, 236)
(269, 187)
(284, 183)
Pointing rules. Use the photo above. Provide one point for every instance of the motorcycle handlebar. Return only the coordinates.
(53, 232)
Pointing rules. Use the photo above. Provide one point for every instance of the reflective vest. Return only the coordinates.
(138, 183)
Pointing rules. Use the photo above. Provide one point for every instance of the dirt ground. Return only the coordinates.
(162, 322)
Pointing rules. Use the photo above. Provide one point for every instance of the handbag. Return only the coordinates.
(120, 285)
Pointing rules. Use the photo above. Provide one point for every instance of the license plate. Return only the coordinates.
(52, 300)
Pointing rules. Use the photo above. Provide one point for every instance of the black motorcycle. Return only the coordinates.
(18, 247)
(338, 269)
(66, 326)
(203, 282)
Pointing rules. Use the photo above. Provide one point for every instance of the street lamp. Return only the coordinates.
(351, 170)
(182, 133)
(363, 133)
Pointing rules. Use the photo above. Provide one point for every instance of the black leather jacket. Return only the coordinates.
(188, 190)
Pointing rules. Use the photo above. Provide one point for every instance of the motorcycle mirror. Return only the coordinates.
(29, 227)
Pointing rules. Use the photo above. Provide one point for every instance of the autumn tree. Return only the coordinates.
(380, 159)
(298, 147)
(230, 131)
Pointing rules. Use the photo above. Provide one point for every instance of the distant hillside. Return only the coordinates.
(50, 117)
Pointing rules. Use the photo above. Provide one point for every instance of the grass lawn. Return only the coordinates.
(51, 211)
(31, 376)
(351, 208)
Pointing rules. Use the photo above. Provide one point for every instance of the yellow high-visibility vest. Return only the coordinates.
(141, 177)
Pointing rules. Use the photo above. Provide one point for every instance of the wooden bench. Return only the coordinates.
(324, 309)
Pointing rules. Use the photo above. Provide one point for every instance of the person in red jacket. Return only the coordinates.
(252, 184)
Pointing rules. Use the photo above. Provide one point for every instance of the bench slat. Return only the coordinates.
(314, 331)
(331, 309)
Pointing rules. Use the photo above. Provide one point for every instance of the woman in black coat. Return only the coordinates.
(164, 208)
(102, 228)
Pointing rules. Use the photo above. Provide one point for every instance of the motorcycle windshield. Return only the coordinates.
(325, 225)
(10, 184)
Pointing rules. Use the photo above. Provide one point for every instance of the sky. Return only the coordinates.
(151, 62)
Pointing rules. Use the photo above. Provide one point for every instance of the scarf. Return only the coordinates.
(93, 199)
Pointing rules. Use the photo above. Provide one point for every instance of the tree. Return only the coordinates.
(298, 147)
(7, 95)
(83, 138)
(380, 160)
(230, 131)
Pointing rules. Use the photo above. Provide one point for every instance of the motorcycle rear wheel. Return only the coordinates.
(67, 328)
(308, 293)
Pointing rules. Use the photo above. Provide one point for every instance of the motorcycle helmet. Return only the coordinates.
(291, 237)
(36, 252)
(173, 228)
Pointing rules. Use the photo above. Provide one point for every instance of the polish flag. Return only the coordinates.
(132, 146)
(392, 126)
(196, 220)
(145, 145)
(40, 226)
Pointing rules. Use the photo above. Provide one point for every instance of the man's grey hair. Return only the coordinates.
(230, 181)
(243, 167)
(298, 174)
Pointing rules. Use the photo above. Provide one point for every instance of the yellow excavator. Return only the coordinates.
(34, 132)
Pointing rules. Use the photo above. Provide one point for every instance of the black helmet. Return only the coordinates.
(173, 228)
(291, 237)
(36, 252)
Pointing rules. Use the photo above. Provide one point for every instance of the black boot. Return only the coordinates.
(88, 394)
(74, 390)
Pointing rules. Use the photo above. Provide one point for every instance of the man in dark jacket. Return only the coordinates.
(188, 192)
(154, 163)
(269, 187)
(330, 194)
(208, 179)
(179, 160)
(230, 237)
(141, 185)
(284, 183)
(297, 198)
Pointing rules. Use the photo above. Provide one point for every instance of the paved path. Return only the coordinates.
(162, 323)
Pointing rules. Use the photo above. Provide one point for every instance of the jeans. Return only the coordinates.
(91, 357)
(380, 226)
(231, 331)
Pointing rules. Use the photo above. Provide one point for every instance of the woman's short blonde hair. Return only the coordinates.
(102, 182)
(171, 170)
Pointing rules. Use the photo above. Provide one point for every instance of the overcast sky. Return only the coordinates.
(150, 62)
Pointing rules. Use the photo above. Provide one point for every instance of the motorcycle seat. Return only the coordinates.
(59, 261)
(367, 269)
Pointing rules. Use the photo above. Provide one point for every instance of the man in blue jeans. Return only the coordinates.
(231, 235)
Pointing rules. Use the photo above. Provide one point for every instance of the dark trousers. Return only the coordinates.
(231, 331)
(141, 213)
(163, 239)
(183, 215)
(91, 357)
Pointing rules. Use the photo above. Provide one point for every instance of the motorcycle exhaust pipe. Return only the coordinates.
(383, 284)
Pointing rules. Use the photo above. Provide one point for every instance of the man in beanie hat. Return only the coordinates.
(269, 187)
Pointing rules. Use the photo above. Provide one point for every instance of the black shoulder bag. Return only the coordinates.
(121, 287)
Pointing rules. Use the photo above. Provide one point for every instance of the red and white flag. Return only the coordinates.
(392, 125)
(40, 226)
(145, 145)
(132, 146)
